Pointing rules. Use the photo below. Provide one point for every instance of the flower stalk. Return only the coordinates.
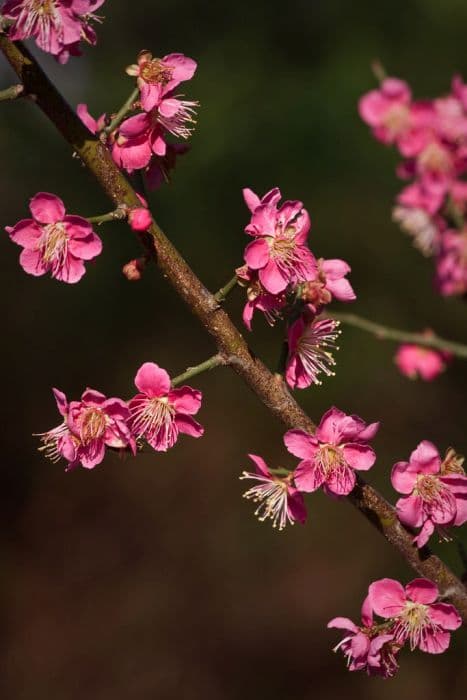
(214, 361)
(122, 112)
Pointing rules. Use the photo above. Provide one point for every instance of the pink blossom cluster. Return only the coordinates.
(410, 615)
(285, 280)
(156, 416)
(54, 241)
(57, 26)
(143, 141)
(434, 491)
(431, 136)
(329, 459)
(417, 361)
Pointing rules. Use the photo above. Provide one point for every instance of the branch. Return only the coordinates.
(271, 390)
(429, 340)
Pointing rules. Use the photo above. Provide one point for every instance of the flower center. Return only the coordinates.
(155, 72)
(153, 416)
(43, 7)
(414, 623)
(93, 425)
(435, 158)
(397, 119)
(330, 460)
(429, 487)
(54, 243)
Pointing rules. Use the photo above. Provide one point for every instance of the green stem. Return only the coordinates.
(122, 112)
(12, 92)
(118, 213)
(386, 333)
(281, 471)
(224, 291)
(379, 70)
(214, 361)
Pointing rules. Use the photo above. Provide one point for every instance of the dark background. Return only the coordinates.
(151, 578)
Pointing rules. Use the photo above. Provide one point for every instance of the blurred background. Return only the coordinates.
(152, 578)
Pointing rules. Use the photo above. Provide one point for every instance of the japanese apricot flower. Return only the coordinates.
(309, 351)
(278, 499)
(157, 77)
(416, 615)
(370, 647)
(278, 251)
(88, 427)
(54, 241)
(327, 281)
(58, 26)
(331, 456)
(159, 413)
(435, 491)
(415, 360)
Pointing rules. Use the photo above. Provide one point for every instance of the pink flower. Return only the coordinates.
(278, 499)
(310, 343)
(278, 251)
(159, 413)
(157, 77)
(54, 241)
(259, 299)
(423, 228)
(143, 135)
(418, 618)
(134, 269)
(327, 281)
(331, 456)
(435, 492)
(140, 219)
(416, 360)
(58, 26)
(94, 125)
(394, 118)
(451, 264)
(370, 647)
(88, 427)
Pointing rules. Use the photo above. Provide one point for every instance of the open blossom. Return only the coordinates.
(157, 77)
(278, 251)
(326, 282)
(277, 497)
(423, 228)
(159, 413)
(54, 241)
(58, 26)
(331, 456)
(416, 615)
(310, 343)
(371, 648)
(435, 491)
(88, 427)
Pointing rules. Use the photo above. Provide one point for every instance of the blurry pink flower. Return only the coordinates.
(139, 219)
(331, 456)
(417, 361)
(97, 423)
(259, 299)
(435, 492)
(327, 281)
(421, 226)
(451, 264)
(88, 427)
(157, 77)
(54, 241)
(134, 269)
(369, 647)
(417, 195)
(58, 26)
(159, 413)
(278, 252)
(310, 343)
(94, 125)
(418, 618)
(278, 499)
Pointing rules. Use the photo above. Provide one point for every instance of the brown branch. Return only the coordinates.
(270, 389)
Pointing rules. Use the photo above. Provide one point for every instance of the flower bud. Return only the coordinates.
(140, 219)
(133, 270)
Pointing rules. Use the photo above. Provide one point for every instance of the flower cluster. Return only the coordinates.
(410, 616)
(54, 241)
(431, 136)
(156, 415)
(284, 279)
(434, 491)
(417, 361)
(329, 459)
(57, 26)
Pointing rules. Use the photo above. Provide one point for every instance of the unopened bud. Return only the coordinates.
(139, 219)
(134, 269)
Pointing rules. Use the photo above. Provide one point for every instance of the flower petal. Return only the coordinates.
(25, 233)
(152, 380)
(47, 208)
(300, 444)
(422, 590)
(359, 456)
(186, 400)
(387, 597)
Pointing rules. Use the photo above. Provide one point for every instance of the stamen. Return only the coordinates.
(314, 348)
(272, 496)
